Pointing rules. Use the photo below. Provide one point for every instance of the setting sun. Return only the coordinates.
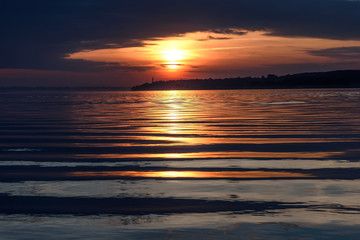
(173, 58)
(173, 55)
(173, 65)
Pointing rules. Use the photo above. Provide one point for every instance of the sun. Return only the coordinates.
(173, 66)
(173, 58)
(173, 55)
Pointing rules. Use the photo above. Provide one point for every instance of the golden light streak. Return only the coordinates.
(204, 155)
(193, 174)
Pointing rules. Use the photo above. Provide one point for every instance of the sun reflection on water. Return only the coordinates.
(193, 174)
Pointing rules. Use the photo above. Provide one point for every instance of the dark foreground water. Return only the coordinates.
(247, 164)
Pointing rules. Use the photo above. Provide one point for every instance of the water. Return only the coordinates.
(244, 164)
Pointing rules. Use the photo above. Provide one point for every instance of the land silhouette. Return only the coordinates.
(333, 79)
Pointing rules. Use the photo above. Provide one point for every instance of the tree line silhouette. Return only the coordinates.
(333, 79)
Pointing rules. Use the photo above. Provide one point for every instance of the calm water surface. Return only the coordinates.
(246, 164)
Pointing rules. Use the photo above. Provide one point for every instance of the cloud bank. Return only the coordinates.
(40, 34)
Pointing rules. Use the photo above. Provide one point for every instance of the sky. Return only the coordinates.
(100, 43)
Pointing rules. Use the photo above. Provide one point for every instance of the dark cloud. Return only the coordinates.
(214, 38)
(39, 34)
(342, 52)
(218, 38)
(171, 64)
(229, 31)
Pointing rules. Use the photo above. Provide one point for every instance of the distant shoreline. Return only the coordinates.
(333, 79)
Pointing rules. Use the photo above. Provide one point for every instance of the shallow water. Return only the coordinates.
(243, 164)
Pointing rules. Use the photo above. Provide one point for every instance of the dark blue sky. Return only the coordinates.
(36, 36)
